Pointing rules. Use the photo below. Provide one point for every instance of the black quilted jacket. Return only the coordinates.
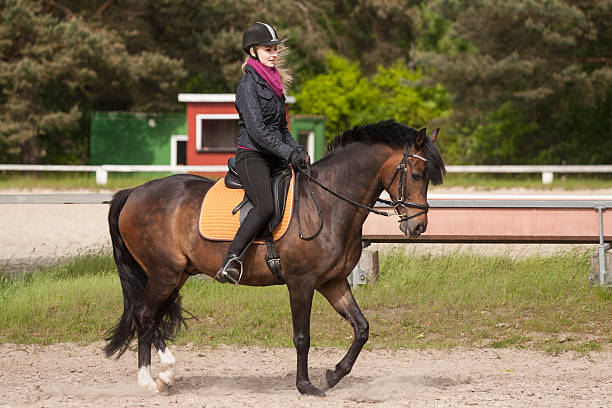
(262, 120)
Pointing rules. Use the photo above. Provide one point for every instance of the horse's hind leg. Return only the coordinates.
(166, 358)
(339, 295)
(144, 364)
(167, 361)
(156, 293)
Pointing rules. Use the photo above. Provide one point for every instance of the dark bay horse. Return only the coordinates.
(157, 246)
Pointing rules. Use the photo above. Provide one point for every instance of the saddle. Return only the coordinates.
(280, 178)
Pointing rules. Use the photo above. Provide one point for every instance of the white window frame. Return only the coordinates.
(174, 139)
(310, 142)
(311, 145)
(209, 116)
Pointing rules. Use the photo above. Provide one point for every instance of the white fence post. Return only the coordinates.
(547, 177)
(101, 176)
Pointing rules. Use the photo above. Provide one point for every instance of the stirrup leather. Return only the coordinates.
(224, 274)
(274, 262)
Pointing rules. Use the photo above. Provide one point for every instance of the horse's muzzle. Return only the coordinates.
(413, 228)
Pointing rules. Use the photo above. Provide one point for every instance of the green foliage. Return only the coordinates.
(344, 96)
(117, 181)
(536, 74)
(347, 98)
(62, 60)
(436, 33)
(55, 72)
(207, 35)
(567, 182)
(505, 136)
(531, 81)
(74, 180)
(408, 98)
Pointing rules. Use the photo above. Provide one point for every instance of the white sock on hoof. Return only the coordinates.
(167, 360)
(145, 380)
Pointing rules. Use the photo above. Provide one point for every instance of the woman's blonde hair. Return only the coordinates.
(285, 72)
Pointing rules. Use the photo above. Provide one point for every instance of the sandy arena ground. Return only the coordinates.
(66, 375)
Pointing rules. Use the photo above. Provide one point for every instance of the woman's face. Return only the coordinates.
(267, 54)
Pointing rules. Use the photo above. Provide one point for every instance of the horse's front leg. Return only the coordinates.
(300, 296)
(339, 295)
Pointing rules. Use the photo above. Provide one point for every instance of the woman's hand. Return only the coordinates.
(299, 159)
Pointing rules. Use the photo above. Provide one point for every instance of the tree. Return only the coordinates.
(539, 70)
(408, 97)
(207, 34)
(346, 97)
(54, 72)
(343, 95)
(190, 45)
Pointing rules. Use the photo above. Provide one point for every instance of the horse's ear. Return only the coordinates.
(434, 135)
(420, 138)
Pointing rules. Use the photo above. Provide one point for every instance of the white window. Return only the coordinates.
(216, 132)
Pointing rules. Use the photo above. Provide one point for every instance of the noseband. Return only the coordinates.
(402, 195)
(402, 189)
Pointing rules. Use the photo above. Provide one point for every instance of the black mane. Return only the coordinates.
(393, 134)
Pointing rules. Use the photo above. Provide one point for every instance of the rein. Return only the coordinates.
(402, 170)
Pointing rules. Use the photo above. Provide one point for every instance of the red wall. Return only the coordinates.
(194, 157)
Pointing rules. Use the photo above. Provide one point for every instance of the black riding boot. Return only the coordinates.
(231, 269)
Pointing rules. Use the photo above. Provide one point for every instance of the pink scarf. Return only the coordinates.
(270, 75)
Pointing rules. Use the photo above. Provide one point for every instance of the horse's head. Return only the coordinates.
(406, 176)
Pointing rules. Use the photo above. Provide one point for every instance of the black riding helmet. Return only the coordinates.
(259, 34)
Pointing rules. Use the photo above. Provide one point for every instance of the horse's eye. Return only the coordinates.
(416, 177)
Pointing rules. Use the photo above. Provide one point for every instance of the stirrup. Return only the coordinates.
(223, 276)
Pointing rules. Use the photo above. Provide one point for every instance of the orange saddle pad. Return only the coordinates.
(216, 220)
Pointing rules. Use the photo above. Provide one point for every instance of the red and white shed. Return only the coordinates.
(212, 127)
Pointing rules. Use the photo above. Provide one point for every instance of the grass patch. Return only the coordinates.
(70, 180)
(530, 181)
(116, 181)
(419, 302)
(70, 301)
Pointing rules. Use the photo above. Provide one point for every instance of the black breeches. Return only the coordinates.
(254, 170)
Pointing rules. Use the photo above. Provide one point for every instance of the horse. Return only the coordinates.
(157, 246)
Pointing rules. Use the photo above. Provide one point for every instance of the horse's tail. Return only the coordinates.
(133, 282)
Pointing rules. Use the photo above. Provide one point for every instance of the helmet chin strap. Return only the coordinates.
(254, 48)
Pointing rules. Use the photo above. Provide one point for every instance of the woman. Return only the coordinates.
(263, 141)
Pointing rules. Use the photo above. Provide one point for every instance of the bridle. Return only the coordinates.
(398, 205)
(402, 189)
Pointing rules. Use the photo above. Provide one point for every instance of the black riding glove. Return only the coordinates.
(299, 159)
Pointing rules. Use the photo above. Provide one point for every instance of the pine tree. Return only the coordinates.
(54, 72)
(526, 75)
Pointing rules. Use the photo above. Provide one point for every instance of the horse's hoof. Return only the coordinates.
(324, 387)
(331, 378)
(152, 388)
(309, 389)
(162, 387)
